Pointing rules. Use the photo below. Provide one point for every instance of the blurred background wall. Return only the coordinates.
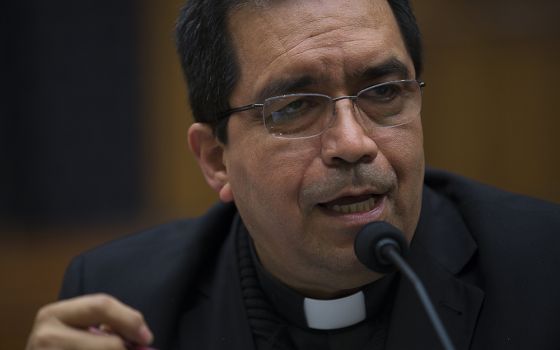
(93, 122)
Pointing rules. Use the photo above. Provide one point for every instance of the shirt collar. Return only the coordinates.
(368, 303)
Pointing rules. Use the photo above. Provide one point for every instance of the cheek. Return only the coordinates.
(266, 185)
(268, 178)
(405, 151)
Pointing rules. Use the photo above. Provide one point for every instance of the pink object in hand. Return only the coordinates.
(129, 345)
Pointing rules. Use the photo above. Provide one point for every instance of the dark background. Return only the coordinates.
(71, 148)
(93, 123)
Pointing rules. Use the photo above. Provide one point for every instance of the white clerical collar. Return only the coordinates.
(322, 314)
(335, 313)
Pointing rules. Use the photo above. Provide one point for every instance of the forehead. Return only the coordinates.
(325, 39)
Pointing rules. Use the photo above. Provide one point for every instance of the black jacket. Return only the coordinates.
(489, 259)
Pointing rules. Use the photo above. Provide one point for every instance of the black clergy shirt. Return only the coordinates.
(292, 326)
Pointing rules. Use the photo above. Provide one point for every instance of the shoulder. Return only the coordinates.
(480, 202)
(509, 229)
(172, 236)
(157, 254)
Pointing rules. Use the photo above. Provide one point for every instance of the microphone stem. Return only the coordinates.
(391, 254)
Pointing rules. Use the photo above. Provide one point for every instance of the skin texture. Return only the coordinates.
(279, 185)
(64, 325)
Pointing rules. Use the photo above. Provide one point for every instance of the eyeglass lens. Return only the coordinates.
(305, 115)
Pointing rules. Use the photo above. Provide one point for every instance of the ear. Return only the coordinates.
(208, 152)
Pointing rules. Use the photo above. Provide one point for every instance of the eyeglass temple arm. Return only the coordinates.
(239, 109)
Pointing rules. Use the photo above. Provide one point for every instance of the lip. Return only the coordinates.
(340, 229)
(356, 195)
(357, 218)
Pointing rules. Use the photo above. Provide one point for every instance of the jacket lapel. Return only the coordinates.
(217, 318)
(440, 252)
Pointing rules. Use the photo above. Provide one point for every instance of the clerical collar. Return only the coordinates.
(369, 303)
(335, 313)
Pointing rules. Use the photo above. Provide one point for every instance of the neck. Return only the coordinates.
(318, 284)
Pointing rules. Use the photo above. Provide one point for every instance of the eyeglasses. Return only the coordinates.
(296, 116)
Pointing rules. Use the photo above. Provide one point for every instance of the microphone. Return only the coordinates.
(380, 247)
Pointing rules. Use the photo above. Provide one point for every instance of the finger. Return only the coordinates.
(95, 309)
(56, 335)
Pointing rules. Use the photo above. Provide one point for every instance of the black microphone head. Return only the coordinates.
(370, 241)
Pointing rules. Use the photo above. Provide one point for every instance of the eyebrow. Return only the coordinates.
(392, 66)
(284, 86)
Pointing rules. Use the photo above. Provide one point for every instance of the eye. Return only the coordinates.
(286, 109)
(293, 107)
(382, 93)
(297, 115)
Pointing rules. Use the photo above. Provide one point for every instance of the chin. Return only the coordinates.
(350, 273)
(350, 282)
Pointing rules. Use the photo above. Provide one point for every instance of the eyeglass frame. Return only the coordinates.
(226, 114)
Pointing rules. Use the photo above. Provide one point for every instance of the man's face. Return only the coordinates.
(296, 196)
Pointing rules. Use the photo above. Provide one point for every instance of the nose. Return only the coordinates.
(347, 140)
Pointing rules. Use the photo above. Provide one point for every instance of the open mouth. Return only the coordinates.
(352, 205)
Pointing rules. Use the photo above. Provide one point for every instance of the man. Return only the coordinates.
(308, 126)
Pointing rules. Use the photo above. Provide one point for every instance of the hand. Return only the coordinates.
(65, 324)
